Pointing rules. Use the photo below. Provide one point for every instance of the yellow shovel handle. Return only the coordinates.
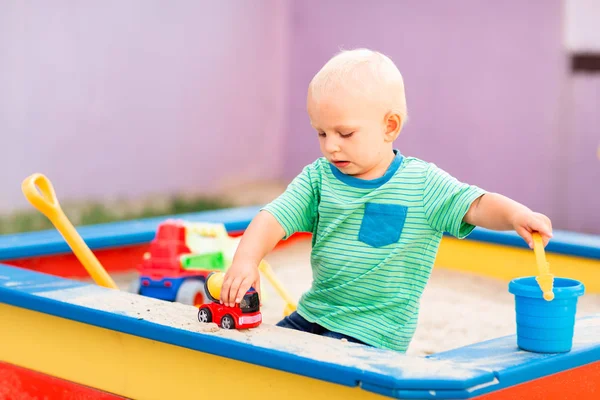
(45, 201)
(540, 255)
(265, 268)
(544, 279)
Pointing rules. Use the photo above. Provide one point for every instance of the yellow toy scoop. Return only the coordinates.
(545, 279)
(290, 306)
(45, 201)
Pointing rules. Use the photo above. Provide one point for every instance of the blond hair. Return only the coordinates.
(364, 72)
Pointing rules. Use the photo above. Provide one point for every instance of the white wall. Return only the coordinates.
(582, 21)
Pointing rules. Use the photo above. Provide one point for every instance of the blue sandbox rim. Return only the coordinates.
(128, 233)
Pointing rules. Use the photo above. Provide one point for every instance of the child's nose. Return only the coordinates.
(332, 144)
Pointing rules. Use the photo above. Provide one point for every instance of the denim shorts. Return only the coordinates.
(297, 322)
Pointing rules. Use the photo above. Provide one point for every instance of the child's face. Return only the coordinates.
(354, 135)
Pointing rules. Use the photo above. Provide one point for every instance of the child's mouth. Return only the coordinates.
(341, 164)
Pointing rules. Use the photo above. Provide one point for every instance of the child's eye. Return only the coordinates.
(346, 135)
(322, 134)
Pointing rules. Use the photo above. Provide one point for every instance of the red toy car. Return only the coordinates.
(244, 315)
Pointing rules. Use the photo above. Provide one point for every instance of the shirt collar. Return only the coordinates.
(369, 183)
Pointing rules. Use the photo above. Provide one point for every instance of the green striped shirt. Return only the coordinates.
(374, 243)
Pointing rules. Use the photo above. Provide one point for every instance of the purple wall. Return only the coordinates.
(112, 98)
(578, 187)
(484, 82)
(133, 98)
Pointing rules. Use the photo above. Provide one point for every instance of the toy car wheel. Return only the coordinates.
(227, 322)
(204, 315)
(134, 286)
(192, 292)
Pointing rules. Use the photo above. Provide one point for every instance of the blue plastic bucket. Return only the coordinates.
(545, 326)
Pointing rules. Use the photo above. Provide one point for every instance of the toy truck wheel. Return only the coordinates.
(204, 315)
(227, 322)
(192, 292)
(134, 286)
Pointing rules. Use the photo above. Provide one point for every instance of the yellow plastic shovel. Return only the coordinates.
(545, 279)
(45, 201)
(290, 306)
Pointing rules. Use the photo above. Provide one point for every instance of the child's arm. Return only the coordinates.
(497, 212)
(293, 211)
(261, 236)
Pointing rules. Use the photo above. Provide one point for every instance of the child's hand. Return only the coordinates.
(261, 236)
(238, 279)
(526, 222)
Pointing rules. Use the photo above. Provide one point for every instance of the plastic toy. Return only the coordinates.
(46, 202)
(545, 279)
(244, 315)
(290, 306)
(179, 259)
(181, 255)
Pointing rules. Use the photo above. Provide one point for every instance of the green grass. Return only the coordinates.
(97, 213)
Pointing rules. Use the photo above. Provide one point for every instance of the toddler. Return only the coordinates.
(377, 216)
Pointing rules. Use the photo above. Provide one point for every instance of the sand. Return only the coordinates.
(457, 308)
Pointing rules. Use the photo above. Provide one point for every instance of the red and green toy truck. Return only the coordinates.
(179, 259)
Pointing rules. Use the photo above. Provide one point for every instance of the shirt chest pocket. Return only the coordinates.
(382, 224)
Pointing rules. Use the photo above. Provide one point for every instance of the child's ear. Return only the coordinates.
(393, 125)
